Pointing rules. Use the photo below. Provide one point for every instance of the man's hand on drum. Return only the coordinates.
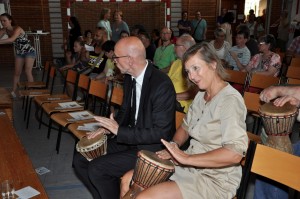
(282, 100)
(269, 94)
(108, 123)
(177, 154)
(125, 182)
(93, 134)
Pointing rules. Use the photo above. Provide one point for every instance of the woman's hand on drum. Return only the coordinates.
(125, 182)
(178, 155)
(268, 94)
(282, 100)
(108, 123)
(93, 134)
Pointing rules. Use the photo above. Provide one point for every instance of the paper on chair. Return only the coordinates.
(64, 105)
(27, 192)
(81, 115)
(89, 126)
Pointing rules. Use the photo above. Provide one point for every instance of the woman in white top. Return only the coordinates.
(219, 44)
(104, 21)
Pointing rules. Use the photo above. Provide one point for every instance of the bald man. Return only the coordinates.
(154, 119)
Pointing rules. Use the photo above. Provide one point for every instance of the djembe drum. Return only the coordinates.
(92, 148)
(149, 170)
(278, 123)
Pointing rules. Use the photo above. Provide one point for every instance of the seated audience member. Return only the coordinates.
(88, 37)
(137, 127)
(251, 43)
(210, 167)
(265, 188)
(294, 48)
(184, 93)
(108, 49)
(259, 29)
(266, 62)
(184, 25)
(155, 36)
(219, 44)
(239, 56)
(164, 55)
(97, 57)
(118, 26)
(123, 34)
(136, 29)
(150, 47)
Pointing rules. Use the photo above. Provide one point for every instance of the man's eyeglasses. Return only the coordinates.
(261, 43)
(115, 58)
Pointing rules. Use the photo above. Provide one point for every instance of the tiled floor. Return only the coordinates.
(60, 182)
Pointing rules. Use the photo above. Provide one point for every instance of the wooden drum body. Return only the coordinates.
(92, 148)
(278, 123)
(149, 170)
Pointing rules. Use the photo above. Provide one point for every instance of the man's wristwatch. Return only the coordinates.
(173, 142)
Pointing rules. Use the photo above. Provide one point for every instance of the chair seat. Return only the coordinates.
(52, 98)
(64, 119)
(34, 93)
(78, 133)
(54, 107)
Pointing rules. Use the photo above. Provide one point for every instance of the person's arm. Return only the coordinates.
(13, 37)
(237, 61)
(204, 31)
(273, 92)
(275, 64)
(187, 95)
(2, 32)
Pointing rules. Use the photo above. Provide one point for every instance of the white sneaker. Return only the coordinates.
(13, 94)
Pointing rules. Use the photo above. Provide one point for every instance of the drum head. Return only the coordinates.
(152, 157)
(85, 142)
(272, 110)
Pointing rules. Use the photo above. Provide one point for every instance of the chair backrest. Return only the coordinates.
(99, 92)
(252, 102)
(117, 96)
(52, 74)
(277, 165)
(46, 69)
(179, 117)
(263, 81)
(295, 62)
(293, 81)
(98, 89)
(235, 76)
(293, 72)
(83, 82)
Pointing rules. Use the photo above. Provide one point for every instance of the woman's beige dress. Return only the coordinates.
(215, 124)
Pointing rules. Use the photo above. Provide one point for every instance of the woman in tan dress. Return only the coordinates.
(210, 167)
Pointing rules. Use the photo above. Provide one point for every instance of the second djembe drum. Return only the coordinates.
(278, 123)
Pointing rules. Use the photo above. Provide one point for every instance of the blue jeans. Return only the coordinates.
(268, 189)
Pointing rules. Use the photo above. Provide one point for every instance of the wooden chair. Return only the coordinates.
(38, 84)
(295, 62)
(179, 118)
(238, 79)
(258, 82)
(293, 72)
(277, 165)
(293, 81)
(253, 103)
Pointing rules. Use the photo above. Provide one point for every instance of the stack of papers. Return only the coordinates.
(81, 115)
(66, 105)
(89, 127)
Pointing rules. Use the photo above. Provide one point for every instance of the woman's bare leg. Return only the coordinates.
(19, 62)
(166, 190)
(29, 61)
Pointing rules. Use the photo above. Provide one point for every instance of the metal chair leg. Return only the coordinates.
(49, 128)
(29, 110)
(58, 139)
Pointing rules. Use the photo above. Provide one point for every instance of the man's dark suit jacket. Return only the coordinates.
(156, 114)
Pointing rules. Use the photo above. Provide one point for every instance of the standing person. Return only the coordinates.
(137, 126)
(25, 53)
(296, 25)
(266, 62)
(74, 33)
(104, 22)
(199, 28)
(165, 54)
(283, 31)
(210, 167)
(184, 25)
(221, 17)
(226, 25)
(118, 26)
